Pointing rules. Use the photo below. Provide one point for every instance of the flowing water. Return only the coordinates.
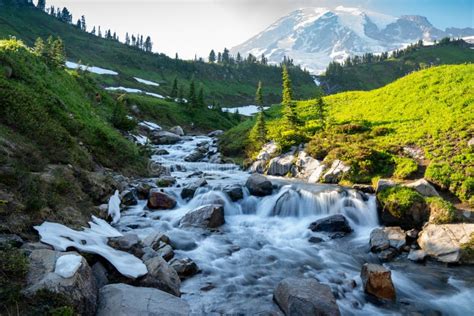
(266, 239)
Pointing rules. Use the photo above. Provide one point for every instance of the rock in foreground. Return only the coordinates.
(331, 224)
(160, 200)
(305, 297)
(122, 299)
(377, 281)
(206, 216)
(258, 185)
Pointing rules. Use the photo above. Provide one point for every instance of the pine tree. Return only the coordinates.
(219, 58)
(192, 100)
(258, 134)
(127, 39)
(40, 48)
(289, 110)
(212, 57)
(225, 56)
(41, 5)
(65, 16)
(83, 23)
(100, 32)
(259, 96)
(200, 98)
(93, 30)
(148, 44)
(239, 58)
(321, 112)
(58, 53)
(79, 24)
(174, 90)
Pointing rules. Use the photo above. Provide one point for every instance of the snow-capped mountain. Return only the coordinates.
(315, 36)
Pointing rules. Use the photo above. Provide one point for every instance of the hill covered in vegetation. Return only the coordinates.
(370, 72)
(431, 111)
(226, 84)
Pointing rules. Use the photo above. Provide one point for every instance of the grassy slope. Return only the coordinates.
(226, 85)
(432, 109)
(376, 75)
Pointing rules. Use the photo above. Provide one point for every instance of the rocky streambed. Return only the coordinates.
(206, 238)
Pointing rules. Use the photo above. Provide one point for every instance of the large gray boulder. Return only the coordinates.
(161, 276)
(450, 243)
(189, 190)
(305, 297)
(384, 183)
(423, 187)
(123, 300)
(258, 166)
(387, 237)
(234, 191)
(258, 185)
(206, 216)
(65, 273)
(377, 281)
(185, 267)
(308, 168)
(281, 166)
(128, 243)
(336, 172)
(164, 138)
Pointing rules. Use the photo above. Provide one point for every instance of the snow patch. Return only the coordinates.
(93, 69)
(133, 90)
(147, 82)
(67, 265)
(114, 207)
(92, 240)
(150, 125)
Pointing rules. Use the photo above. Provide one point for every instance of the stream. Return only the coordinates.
(261, 244)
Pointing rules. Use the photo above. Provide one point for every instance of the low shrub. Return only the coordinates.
(405, 167)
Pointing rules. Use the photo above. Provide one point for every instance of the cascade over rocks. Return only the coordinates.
(377, 281)
(305, 297)
(164, 138)
(206, 216)
(189, 190)
(258, 185)
(234, 191)
(160, 200)
(122, 299)
(331, 224)
(449, 243)
(80, 288)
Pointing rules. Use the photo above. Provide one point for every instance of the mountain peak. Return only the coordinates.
(315, 36)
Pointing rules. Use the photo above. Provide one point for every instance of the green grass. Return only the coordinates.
(432, 109)
(375, 75)
(441, 211)
(399, 200)
(227, 85)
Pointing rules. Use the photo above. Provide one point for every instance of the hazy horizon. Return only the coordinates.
(190, 27)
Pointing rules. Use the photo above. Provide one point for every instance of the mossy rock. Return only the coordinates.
(441, 211)
(401, 206)
(467, 251)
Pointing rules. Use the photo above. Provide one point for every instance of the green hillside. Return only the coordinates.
(432, 109)
(373, 75)
(229, 85)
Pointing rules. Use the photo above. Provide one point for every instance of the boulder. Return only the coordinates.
(100, 274)
(305, 297)
(258, 166)
(161, 152)
(160, 200)
(335, 173)
(158, 170)
(128, 243)
(165, 181)
(259, 185)
(128, 197)
(165, 251)
(143, 190)
(185, 267)
(164, 138)
(316, 174)
(365, 188)
(10, 240)
(449, 243)
(122, 299)
(308, 167)
(281, 166)
(377, 281)
(384, 183)
(70, 276)
(155, 239)
(423, 187)
(161, 276)
(396, 237)
(331, 224)
(195, 155)
(387, 254)
(189, 190)
(234, 192)
(417, 255)
(216, 133)
(206, 216)
(378, 240)
(178, 130)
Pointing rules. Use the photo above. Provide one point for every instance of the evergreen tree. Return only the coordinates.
(65, 16)
(127, 39)
(237, 115)
(41, 5)
(258, 134)
(79, 24)
(40, 48)
(219, 58)
(100, 32)
(148, 45)
(192, 100)
(212, 57)
(259, 96)
(225, 56)
(93, 30)
(321, 112)
(58, 53)
(174, 89)
(83, 23)
(289, 110)
(239, 58)
(200, 98)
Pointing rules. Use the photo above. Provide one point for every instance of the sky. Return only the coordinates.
(194, 27)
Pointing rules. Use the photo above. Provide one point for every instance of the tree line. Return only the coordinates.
(64, 15)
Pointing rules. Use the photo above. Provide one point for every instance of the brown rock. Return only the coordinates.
(377, 281)
(160, 200)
